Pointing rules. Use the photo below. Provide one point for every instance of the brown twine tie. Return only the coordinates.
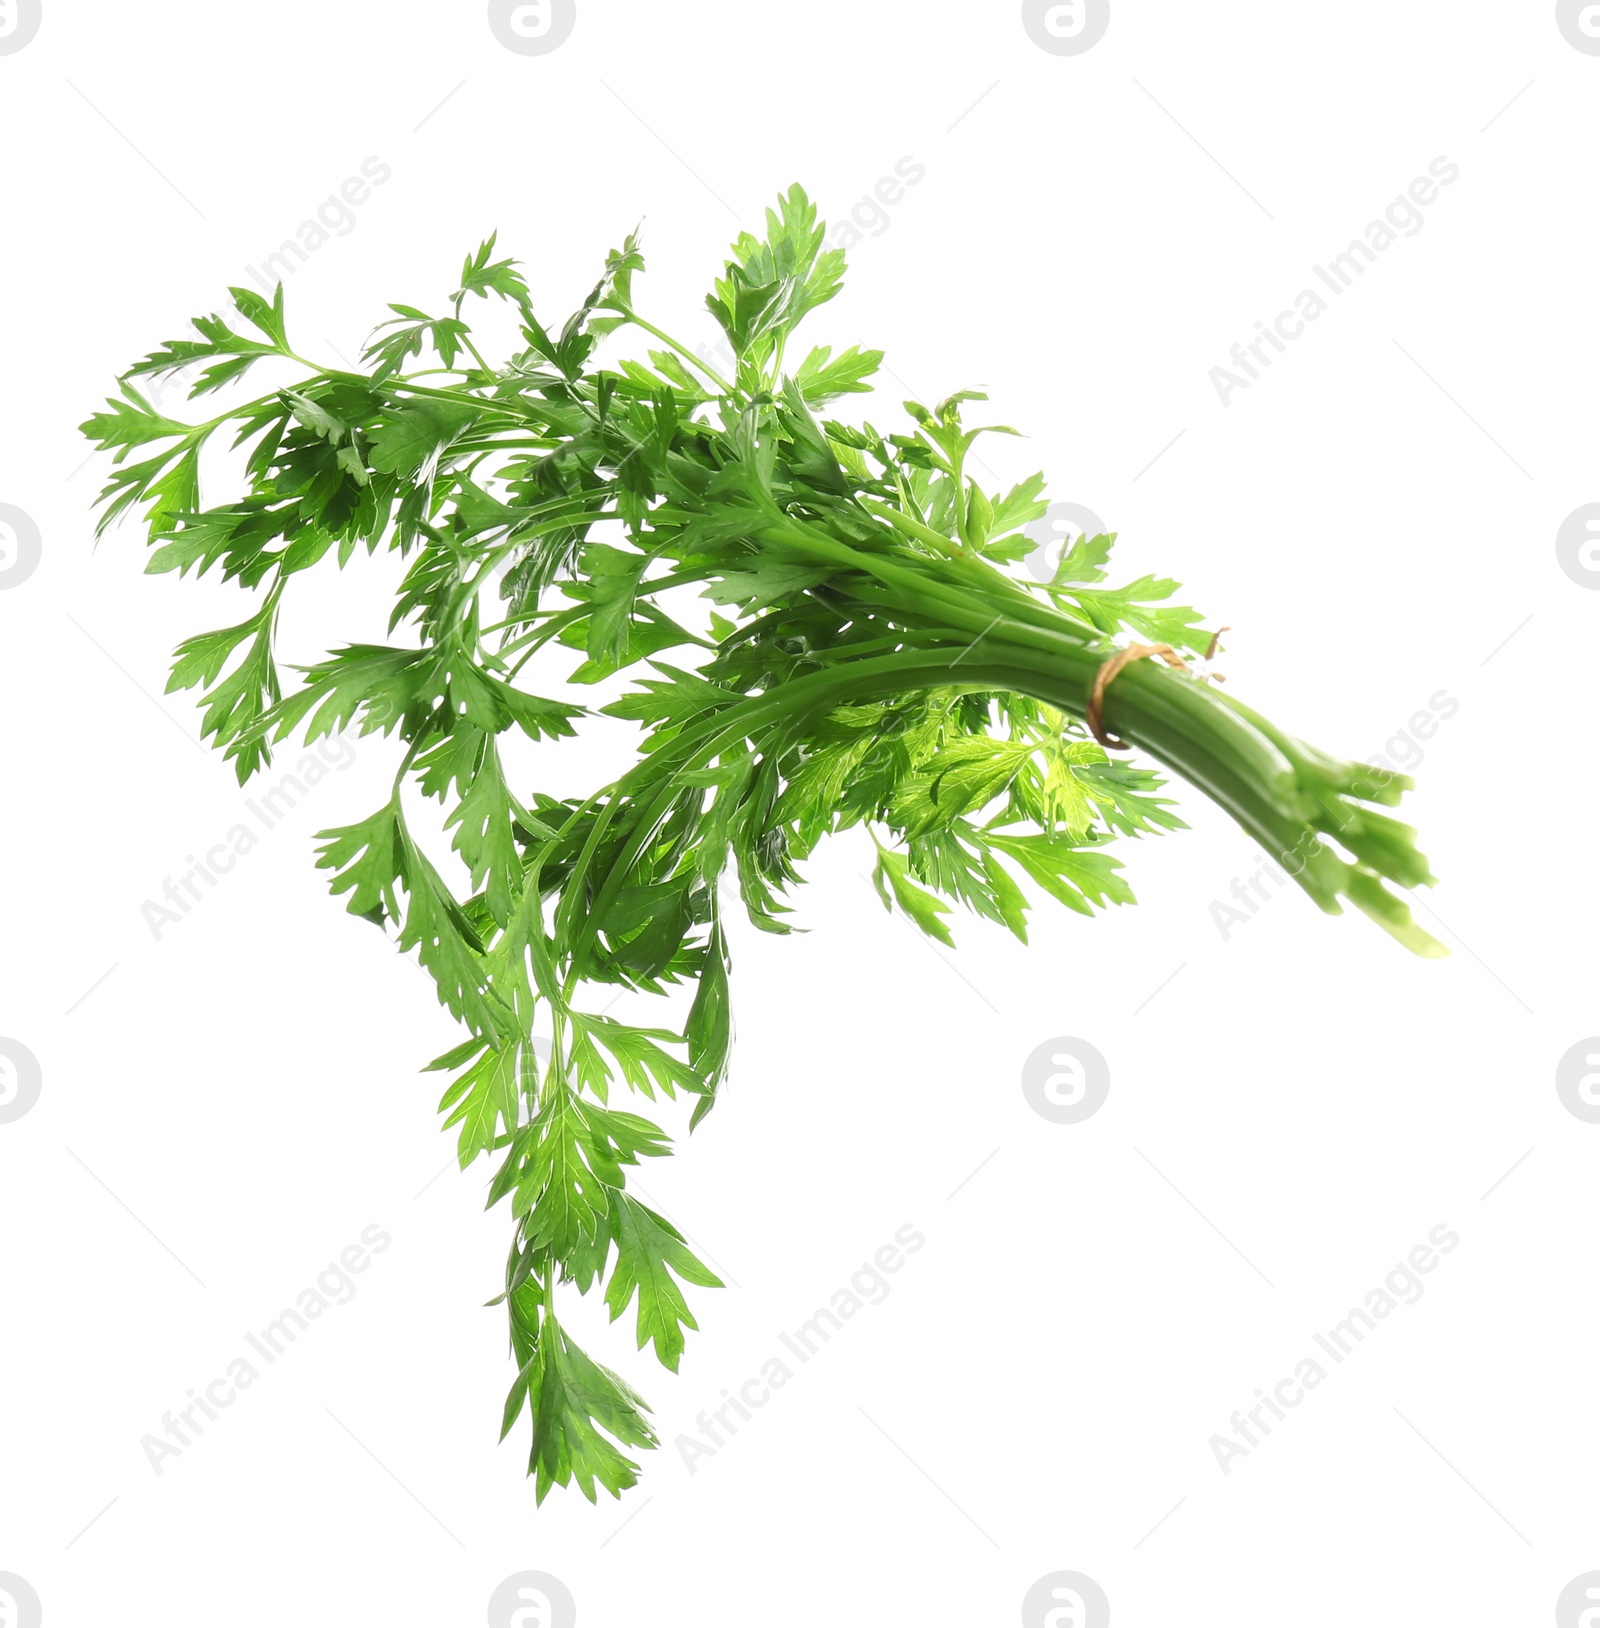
(1114, 665)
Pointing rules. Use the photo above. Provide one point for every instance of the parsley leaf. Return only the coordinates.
(852, 644)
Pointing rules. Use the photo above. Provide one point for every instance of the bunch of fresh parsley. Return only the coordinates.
(872, 660)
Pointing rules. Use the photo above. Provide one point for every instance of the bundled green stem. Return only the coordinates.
(872, 660)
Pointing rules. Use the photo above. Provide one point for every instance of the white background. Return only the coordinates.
(1295, 1109)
